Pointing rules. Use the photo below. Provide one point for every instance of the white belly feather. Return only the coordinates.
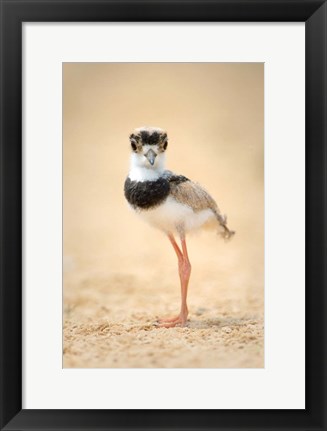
(171, 216)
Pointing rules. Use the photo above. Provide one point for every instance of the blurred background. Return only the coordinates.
(119, 273)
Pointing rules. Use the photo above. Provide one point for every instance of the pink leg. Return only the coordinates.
(176, 248)
(184, 269)
(184, 273)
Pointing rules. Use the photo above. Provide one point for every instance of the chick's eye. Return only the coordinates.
(165, 145)
(133, 145)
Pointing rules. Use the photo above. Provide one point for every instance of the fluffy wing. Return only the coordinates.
(192, 194)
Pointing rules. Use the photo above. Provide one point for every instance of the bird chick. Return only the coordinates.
(169, 202)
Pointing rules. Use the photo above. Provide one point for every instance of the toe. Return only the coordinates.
(172, 324)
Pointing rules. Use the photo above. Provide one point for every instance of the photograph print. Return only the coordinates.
(163, 215)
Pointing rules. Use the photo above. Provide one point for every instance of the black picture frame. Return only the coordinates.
(13, 14)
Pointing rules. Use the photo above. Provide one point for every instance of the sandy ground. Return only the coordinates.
(108, 322)
(120, 275)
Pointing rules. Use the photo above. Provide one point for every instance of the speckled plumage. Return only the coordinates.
(146, 189)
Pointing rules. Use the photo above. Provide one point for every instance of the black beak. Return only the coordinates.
(151, 156)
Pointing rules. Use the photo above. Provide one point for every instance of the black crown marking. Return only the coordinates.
(150, 138)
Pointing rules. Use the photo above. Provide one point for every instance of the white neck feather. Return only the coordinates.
(140, 170)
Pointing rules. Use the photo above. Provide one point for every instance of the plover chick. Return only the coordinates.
(170, 202)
